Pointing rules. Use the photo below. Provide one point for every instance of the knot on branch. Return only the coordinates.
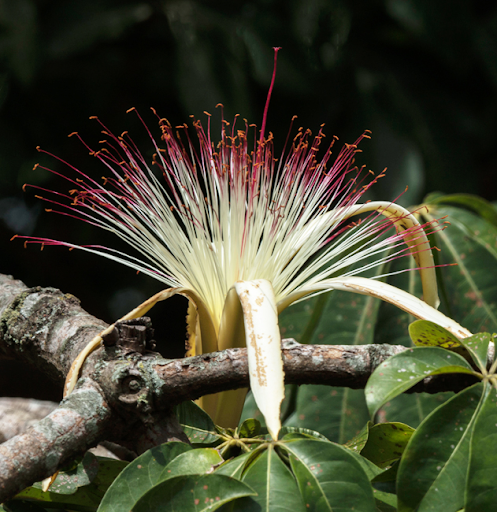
(132, 335)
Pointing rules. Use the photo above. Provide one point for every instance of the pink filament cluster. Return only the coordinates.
(196, 180)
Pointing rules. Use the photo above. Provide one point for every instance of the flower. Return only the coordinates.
(244, 235)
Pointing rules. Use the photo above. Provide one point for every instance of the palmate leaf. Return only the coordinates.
(433, 469)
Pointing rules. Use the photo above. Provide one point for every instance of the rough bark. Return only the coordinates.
(126, 391)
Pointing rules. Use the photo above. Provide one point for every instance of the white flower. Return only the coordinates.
(244, 235)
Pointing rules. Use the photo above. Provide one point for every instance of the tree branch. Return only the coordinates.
(126, 393)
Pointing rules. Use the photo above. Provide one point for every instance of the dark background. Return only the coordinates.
(421, 74)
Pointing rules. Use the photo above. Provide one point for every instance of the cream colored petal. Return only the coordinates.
(226, 407)
(417, 242)
(383, 291)
(263, 339)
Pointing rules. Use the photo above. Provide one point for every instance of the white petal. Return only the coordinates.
(384, 291)
(263, 339)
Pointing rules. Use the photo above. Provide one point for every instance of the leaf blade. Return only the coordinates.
(401, 371)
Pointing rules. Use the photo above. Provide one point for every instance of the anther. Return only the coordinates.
(130, 110)
(15, 236)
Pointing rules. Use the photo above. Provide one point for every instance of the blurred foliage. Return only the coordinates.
(422, 75)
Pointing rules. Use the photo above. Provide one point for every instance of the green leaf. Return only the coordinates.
(196, 424)
(477, 346)
(193, 462)
(108, 470)
(234, 467)
(358, 442)
(481, 491)
(401, 371)
(137, 478)
(371, 470)
(85, 499)
(288, 433)
(386, 443)
(387, 476)
(432, 471)
(479, 205)
(192, 493)
(385, 501)
(412, 408)
(337, 413)
(329, 477)
(83, 473)
(469, 241)
(430, 334)
(249, 428)
(274, 484)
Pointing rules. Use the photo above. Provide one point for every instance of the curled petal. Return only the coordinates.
(403, 300)
(404, 221)
(200, 326)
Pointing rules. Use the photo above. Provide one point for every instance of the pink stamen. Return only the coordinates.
(266, 107)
